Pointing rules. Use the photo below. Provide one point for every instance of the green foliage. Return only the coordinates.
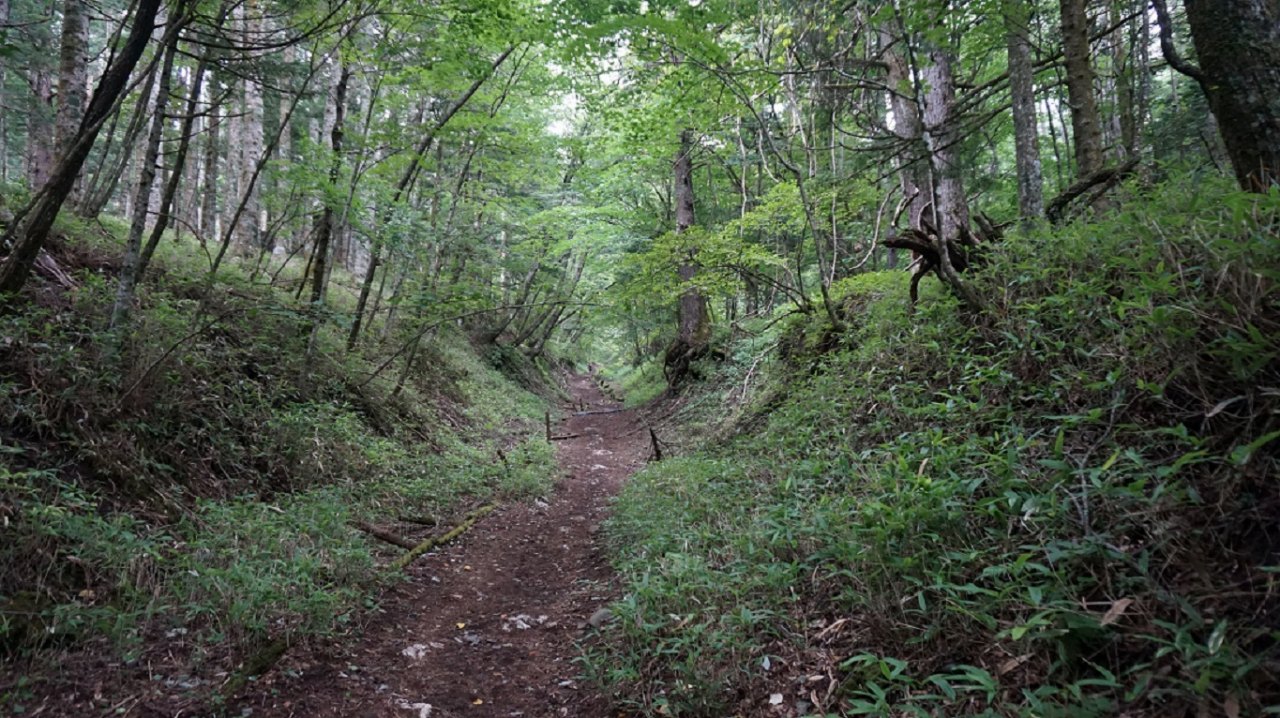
(198, 474)
(998, 518)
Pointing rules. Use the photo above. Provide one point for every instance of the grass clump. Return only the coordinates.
(1064, 507)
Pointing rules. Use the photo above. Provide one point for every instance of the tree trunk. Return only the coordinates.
(209, 178)
(694, 323)
(251, 139)
(325, 226)
(1238, 43)
(28, 236)
(1085, 127)
(40, 149)
(146, 179)
(910, 155)
(950, 208)
(73, 69)
(1026, 132)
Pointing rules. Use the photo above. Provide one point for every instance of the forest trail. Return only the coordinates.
(486, 626)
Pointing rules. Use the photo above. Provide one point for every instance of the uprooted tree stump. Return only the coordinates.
(926, 245)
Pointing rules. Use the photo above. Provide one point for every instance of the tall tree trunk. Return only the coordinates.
(4, 102)
(146, 179)
(325, 226)
(73, 69)
(251, 139)
(28, 236)
(941, 135)
(910, 155)
(1026, 132)
(209, 178)
(693, 321)
(1085, 127)
(1238, 44)
(41, 154)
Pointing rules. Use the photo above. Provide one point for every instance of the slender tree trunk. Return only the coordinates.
(1026, 133)
(98, 192)
(405, 186)
(209, 178)
(1122, 69)
(28, 236)
(251, 140)
(1085, 127)
(146, 178)
(325, 226)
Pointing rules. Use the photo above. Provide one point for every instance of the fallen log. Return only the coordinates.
(565, 436)
(384, 535)
(417, 551)
(419, 520)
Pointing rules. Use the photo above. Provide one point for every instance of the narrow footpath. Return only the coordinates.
(486, 626)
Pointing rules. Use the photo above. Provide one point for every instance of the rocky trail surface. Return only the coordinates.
(488, 625)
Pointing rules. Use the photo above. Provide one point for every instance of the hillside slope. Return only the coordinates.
(1065, 506)
(184, 497)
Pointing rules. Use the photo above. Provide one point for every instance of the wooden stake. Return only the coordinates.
(657, 450)
(547, 418)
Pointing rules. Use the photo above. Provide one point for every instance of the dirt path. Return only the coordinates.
(486, 626)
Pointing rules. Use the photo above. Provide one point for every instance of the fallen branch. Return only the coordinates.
(417, 551)
(599, 411)
(565, 437)
(381, 535)
(1104, 179)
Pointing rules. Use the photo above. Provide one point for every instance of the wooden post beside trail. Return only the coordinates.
(547, 418)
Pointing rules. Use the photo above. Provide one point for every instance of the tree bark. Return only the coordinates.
(693, 321)
(910, 155)
(325, 225)
(146, 179)
(73, 68)
(251, 139)
(1026, 132)
(28, 236)
(1085, 127)
(1238, 45)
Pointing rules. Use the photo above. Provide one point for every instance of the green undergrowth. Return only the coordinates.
(1062, 507)
(192, 483)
